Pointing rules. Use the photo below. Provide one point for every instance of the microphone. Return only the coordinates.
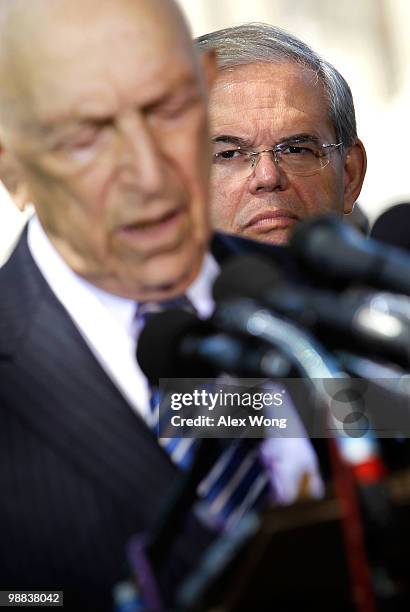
(248, 318)
(344, 321)
(325, 312)
(392, 226)
(337, 253)
(165, 350)
(176, 342)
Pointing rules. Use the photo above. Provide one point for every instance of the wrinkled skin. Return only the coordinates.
(262, 104)
(108, 130)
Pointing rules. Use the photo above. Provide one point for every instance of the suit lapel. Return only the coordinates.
(53, 383)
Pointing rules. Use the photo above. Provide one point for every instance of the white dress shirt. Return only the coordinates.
(106, 321)
(107, 324)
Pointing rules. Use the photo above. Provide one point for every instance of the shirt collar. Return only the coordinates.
(57, 273)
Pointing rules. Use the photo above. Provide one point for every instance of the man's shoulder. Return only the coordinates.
(18, 268)
(20, 287)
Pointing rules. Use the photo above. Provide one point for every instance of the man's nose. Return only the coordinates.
(266, 174)
(141, 160)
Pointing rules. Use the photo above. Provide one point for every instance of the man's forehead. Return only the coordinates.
(100, 103)
(266, 100)
(16, 11)
(265, 87)
(126, 46)
(40, 28)
(273, 77)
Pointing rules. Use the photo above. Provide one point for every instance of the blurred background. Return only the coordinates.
(367, 40)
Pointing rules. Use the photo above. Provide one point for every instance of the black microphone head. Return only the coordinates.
(392, 227)
(332, 249)
(157, 350)
(246, 276)
(314, 234)
(339, 254)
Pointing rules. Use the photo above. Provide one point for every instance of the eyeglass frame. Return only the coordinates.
(277, 152)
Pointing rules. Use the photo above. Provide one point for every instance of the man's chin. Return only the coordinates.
(278, 237)
(170, 277)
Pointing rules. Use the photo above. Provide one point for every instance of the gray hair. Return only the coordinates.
(260, 42)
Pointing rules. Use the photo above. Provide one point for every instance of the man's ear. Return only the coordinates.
(11, 178)
(207, 59)
(355, 165)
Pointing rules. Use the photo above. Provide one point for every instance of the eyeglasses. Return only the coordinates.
(302, 158)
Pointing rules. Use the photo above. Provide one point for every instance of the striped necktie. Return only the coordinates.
(238, 481)
(181, 450)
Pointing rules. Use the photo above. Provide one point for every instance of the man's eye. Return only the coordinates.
(298, 150)
(88, 137)
(84, 141)
(173, 109)
(230, 154)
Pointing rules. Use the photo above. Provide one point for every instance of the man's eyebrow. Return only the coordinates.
(61, 126)
(242, 142)
(184, 88)
(234, 140)
(300, 137)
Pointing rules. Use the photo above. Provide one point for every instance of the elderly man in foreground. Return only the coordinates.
(106, 124)
(283, 132)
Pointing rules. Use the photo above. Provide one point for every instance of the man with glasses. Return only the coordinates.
(283, 133)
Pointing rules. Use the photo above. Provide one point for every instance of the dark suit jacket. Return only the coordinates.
(79, 470)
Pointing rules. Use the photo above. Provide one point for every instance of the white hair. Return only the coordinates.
(260, 42)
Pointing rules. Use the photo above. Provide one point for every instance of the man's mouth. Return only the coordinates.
(272, 219)
(152, 230)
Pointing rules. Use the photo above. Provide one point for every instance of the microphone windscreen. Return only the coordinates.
(157, 350)
(313, 238)
(246, 276)
(392, 227)
(334, 253)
